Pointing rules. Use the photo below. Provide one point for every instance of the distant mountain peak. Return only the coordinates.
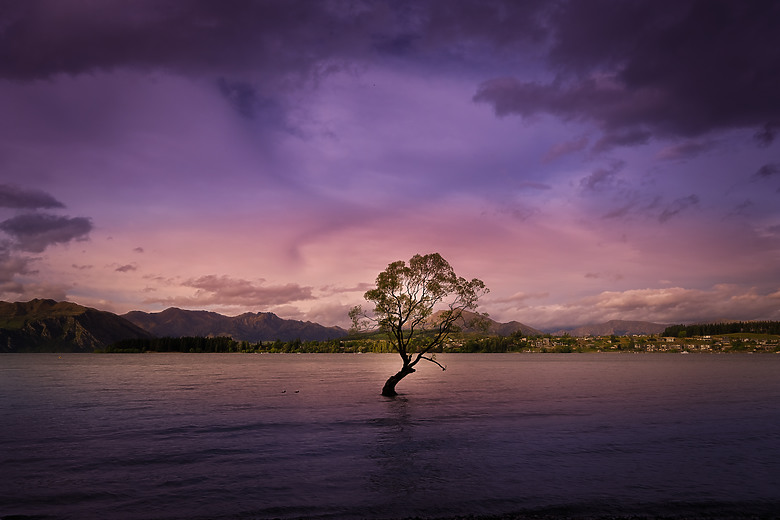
(615, 327)
(250, 326)
(491, 326)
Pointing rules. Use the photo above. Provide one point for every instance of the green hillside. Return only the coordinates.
(50, 326)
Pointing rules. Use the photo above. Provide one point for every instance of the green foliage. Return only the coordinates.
(406, 298)
(456, 343)
(16, 315)
(711, 329)
(227, 345)
(186, 344)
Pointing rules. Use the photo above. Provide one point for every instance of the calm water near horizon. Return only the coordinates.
(179, 436)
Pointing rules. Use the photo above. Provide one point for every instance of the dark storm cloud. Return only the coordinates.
(666, 69)
(637, 68)
(257, 52)
(18, 198)
(35, 232)
(41, 38)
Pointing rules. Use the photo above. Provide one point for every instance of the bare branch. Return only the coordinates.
(432, 360)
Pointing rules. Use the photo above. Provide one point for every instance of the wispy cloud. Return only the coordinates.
(685, 150)
(766, 171)
(767, 134)
(559, 150)
(12, 265)
(664, 305)
(602, 178)
(522, 297)
(678, 206)
(227, 291)
(529, 185)
(610, 276)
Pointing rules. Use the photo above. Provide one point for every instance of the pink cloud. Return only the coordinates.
(664, 305)
(225, 291)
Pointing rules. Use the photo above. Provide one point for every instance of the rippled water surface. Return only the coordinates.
(173, 436)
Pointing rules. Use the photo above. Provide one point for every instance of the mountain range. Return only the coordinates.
(471, 322)
(51, 326)
(252, 327)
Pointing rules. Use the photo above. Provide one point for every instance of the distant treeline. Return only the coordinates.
(222, 344)
(736, 327)
(186, 344)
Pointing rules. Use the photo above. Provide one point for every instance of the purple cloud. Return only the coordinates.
(35, 232)
(565, 148)
(154, 116)
(766, 135)
(602, 178)
(10, 266)
(678, 206)
(686, 150)
(639, 71)
(275, 38)
(767, 171)
(529, 185)
(228, 291)
(18, 198)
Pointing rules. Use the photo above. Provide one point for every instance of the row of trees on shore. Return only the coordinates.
(732, 342)
(712, 329)
(515, 343)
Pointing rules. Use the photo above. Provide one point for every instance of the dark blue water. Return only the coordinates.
(173, 436)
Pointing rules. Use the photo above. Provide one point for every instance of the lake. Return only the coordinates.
(257, 436)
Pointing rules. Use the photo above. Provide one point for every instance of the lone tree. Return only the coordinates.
(418, 306)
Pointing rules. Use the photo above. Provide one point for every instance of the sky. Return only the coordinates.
(588, 160)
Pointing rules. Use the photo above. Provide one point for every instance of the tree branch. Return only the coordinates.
(434, 361)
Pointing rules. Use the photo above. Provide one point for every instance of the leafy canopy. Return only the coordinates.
(418, 305)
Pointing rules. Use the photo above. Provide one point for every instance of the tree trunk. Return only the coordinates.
(389, 389)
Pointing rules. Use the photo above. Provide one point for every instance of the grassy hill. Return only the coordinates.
(50, 326)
